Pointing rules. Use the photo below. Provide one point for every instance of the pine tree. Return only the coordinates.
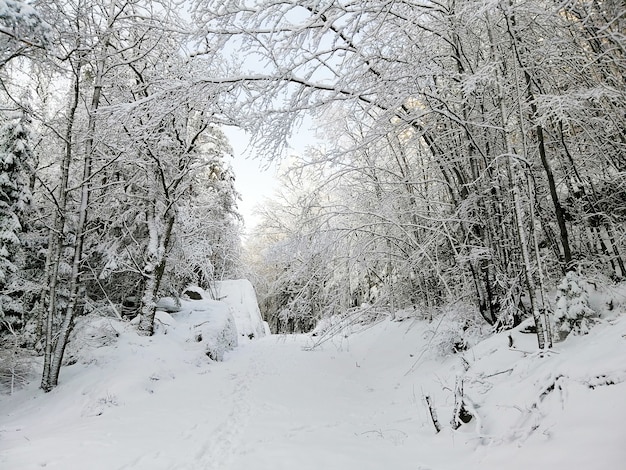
(15, 155)
(573, 313)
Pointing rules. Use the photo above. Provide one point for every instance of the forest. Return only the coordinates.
(473, 160)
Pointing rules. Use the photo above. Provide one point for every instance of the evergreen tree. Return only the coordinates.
(21, 30)
(15, 154)
(573, 314)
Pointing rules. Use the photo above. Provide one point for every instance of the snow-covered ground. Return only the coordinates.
(354, 401)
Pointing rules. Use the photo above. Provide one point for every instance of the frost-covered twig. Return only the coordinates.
(461, 414)
(433, 413)
(350, 318)
(501, 372)
(14, 367)
(416, 362)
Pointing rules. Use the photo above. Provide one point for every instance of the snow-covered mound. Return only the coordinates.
(530, 408)
(207, 323)
(239, 294)
(203, 326)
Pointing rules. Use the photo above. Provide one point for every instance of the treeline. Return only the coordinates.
(473, 153)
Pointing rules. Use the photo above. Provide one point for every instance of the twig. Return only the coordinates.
(501, 372)
(113, 307)
(433, 414)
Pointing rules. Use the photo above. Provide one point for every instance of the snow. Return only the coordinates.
(350, 401)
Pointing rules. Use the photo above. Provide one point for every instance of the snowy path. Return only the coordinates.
(307, 411)
(270, 405)
(283, 408)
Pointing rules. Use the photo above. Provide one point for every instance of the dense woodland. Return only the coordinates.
(473, 158)
(115, 181)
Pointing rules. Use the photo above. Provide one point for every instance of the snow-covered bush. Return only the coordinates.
(15, 362)
(90, 332)
(212, 328)
(349, 322)
(225, 340)
(573, 313)
(456, 329)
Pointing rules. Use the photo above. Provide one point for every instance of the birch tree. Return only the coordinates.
(105, 39)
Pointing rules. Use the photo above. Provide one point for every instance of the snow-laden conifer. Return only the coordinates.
(15, 155)
(573, 313)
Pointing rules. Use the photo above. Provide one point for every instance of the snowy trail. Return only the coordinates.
(269, 405)
(287, 408)
(221, 447)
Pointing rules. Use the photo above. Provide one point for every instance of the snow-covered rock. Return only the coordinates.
(240, 296)
(194, 293)
(168, 304)
(205, 325)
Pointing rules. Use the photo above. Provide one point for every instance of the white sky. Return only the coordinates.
(254, 181)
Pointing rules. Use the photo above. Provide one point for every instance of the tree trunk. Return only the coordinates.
(51, 374)
(531, 100)
(558, 209)
(519, 216)
(80, 238)
(155, 268)
(56, 233)
(528, 272)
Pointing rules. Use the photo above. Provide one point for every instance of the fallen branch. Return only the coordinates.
(498, 373)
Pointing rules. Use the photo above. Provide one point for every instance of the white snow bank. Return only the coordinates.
(205, 326)
(120, 388)
(532, 409)
(240, 296)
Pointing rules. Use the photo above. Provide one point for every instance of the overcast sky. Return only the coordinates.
(253, 180)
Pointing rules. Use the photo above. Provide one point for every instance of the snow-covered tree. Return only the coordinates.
(207, 236)
(126, 147)
(15, 168)
(572, 312)
(474, 99)
(21, 30)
